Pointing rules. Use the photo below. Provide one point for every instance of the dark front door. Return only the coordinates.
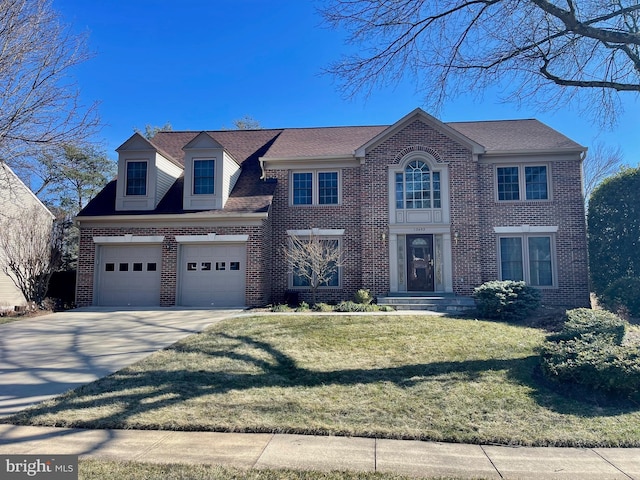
(420, 263)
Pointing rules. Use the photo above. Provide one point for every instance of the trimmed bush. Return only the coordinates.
(589, 351)
(506, 300)
(622, 295)
(363, 296)
(595, 362)
(303, 307)
(322, 307)
(280, 307)
(349, 306)
(591, 324)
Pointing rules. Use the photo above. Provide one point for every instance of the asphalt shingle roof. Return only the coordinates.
(514, 135)
(321, 142)
(252, 195)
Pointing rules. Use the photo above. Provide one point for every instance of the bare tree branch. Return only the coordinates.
(29, 252)
(545, 52)
(314, 259)
(39, 104)
(601, 162)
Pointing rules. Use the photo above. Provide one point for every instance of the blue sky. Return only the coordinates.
(201, 64)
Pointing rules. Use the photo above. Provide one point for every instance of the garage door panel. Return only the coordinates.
(212, 275)
(129, 275)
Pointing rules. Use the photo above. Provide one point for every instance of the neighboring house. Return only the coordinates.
(16, 200)
(420, 207)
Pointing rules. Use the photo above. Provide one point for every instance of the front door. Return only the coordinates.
(420, 263)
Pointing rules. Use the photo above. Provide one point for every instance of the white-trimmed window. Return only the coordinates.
(528, 257)
(324, 255)
(136, 183)
(301, 281)
(315, 188)
(522, 182)
(204, 176)
(417, 187)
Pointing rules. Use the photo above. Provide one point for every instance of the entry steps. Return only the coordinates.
(444, 303)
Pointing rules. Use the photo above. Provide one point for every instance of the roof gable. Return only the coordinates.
(139, 143)
(419, 114)
(202, 140)
(13, 189)
(136, 142)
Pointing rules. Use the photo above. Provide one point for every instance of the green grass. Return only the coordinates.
(102, 469)
(418, 377)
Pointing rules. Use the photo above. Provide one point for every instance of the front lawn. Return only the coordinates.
(397, 376)
(100, 469)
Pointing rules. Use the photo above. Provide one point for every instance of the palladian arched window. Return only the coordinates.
(418, 187)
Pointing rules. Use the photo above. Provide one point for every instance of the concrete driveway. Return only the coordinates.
(45, 356)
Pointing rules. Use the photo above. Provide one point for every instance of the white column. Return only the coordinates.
(393, 262)
(448, 262)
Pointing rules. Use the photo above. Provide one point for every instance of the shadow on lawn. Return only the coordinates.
(280, 370)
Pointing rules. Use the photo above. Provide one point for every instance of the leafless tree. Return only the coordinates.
(314, 260)
(29, 251)
(39, 105)
(601, 162)
(544, 52)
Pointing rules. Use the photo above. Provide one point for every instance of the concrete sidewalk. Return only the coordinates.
(279, 451)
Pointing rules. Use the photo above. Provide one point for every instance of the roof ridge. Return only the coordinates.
(495, 121)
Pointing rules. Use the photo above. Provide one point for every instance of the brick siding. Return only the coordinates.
(363, 213)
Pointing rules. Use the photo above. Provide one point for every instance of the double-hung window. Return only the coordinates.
(522, 182)
(315, 188)
(203, 177)
(527, 257)
(136, 178)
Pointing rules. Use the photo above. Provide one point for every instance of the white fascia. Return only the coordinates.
(324, 232)
(128, 238)
(527, 229)
(212, 238)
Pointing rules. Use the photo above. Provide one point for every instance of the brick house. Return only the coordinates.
(420, 207)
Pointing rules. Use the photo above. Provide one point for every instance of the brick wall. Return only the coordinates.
(344, 216)
(464, 206)
(364, 215)
(565, 210)
(256, 289)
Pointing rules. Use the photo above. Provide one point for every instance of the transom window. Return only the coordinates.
(203, 177)
(528, 258)
(136, 178)
(522, 183)
(418, 187)
(315, 188)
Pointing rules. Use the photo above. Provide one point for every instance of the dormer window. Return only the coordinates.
(136, 178)
(203, 177)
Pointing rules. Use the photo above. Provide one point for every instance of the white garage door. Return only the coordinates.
(129, 275)
(212, 275)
